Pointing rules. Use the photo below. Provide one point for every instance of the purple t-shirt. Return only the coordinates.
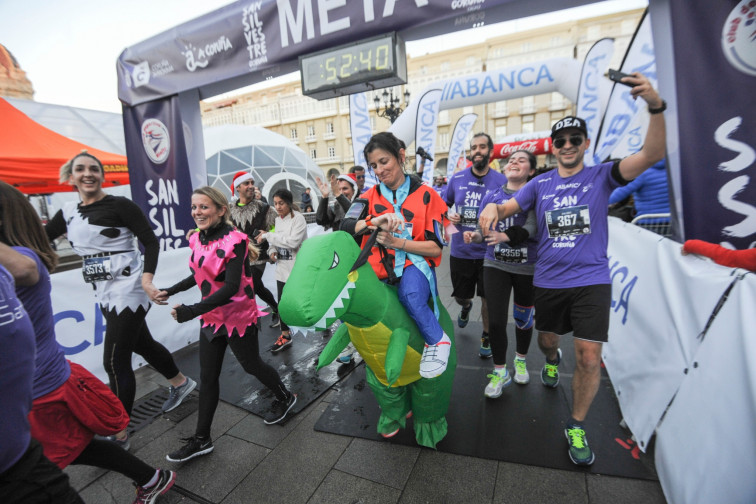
(16, 372)
(51, 369)
(524, 253)
(465, 191)
(572, 225)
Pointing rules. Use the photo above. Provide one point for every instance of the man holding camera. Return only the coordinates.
(573, 287)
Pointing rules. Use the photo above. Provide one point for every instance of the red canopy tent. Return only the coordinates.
(31, 155)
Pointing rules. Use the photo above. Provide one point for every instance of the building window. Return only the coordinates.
(331, 151)
(470, 61)
(528, 123)
(526, 47)
(594, 32)
(294, 134)
(329, 127)
(500, 132)
(310, 130)
(443, 141)
(445, 66)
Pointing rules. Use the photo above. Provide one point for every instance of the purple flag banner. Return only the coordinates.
(159, 170)
(715, 73)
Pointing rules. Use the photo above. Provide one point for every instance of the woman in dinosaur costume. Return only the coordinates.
(399, 328)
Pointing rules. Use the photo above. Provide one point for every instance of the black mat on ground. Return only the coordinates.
(296, 365)
(525, 425)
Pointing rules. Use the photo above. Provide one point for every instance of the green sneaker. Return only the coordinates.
(498, 381)
(580, 452)
(550, 372)
(521, 376)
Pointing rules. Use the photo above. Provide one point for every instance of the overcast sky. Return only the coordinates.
(69, 48)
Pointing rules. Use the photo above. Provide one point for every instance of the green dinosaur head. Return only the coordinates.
(318, 290)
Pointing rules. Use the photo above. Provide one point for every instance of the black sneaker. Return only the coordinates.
(280, 409)
(275, 320)
(281, 343)
(464, 315)
(194, 447)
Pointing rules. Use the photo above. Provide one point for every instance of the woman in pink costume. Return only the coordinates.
(221, 268)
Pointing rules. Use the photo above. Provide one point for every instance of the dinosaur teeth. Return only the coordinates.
(330, 315)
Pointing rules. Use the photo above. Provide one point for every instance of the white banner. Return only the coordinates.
(594, 88)
(661, 302)
(622, 108)
(705, 444)
(425, 131)
(359, 125)
(459, 141)
(547, 76)
(80, 327)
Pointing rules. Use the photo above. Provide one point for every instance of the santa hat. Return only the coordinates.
(352, 179)
(240, 177)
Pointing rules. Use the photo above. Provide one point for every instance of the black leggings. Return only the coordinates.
(107, 455)
(499, 284)
(260, 290)
(280, 286)
(127, 333)
(247, 352)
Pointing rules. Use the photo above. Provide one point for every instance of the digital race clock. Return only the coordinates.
(369, 64)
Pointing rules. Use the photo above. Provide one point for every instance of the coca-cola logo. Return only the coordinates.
(537, 146)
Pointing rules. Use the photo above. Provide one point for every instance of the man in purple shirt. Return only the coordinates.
(465, 191)
(573, 288)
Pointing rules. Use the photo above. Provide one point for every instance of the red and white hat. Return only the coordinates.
(239, 177)
(349, 177)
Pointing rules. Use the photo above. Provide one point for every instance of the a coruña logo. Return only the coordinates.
(739, 37)
(156, 140)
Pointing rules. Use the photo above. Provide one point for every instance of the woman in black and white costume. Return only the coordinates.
(102, 230)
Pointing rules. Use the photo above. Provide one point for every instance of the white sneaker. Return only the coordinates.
(521, 372)
(345, 357)
(435, 358)
(499, 380)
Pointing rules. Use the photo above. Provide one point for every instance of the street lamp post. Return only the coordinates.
(391, 108)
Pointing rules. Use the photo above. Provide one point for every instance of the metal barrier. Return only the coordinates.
(656, 223)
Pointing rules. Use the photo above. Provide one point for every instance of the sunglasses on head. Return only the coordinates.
(576, 139)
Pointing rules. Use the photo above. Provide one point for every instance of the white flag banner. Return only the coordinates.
(594, 89)
(459, 141)
(661, 302)
(714, 411)
(425, 131)
(621, 108)
(359, 125)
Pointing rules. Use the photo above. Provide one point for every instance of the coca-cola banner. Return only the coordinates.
(711, 50)
(537, 146)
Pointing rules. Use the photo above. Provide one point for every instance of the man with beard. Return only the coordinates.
(252, 216)
(572, 283)
(465, 191)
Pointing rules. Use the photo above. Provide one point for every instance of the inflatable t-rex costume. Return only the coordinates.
(326, 285)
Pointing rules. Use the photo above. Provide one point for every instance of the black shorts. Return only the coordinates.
(582, 310)
(466, 274)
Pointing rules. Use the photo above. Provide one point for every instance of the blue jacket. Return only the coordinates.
(650, 191)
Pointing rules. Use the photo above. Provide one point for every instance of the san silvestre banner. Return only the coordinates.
(716, 110)
(158, 169)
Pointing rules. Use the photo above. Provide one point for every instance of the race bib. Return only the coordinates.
(568, 221)
(468, 216)
(96, 269)
(285, 254)
(507, 254)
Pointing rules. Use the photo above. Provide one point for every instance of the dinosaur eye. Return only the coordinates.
(335, 261)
